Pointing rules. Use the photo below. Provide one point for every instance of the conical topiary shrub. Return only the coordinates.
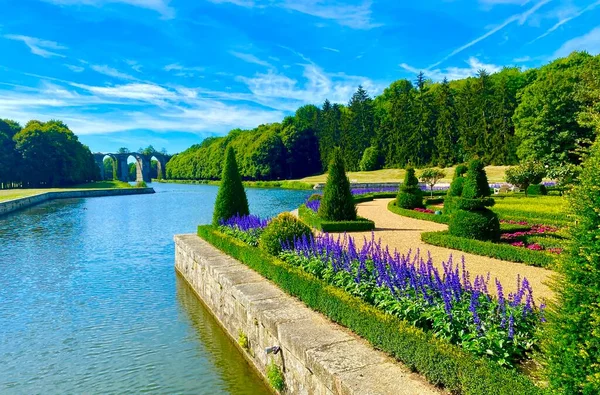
(455, 189)
(410, 195)
(337, 203)
(470, 216)
(571, 338)
(231, 198)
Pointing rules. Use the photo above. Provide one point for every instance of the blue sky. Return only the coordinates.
(171, 72)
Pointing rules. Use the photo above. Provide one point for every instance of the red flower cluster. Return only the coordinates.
(424, 210)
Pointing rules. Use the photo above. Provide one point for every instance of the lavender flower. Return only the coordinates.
(245, 222)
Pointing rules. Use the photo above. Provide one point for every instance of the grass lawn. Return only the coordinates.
(9, 194)
(494, 173)
(548, 210)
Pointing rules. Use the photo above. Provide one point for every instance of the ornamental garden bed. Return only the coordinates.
(308, 213)
(438, 322)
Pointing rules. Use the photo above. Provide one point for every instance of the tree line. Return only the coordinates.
(43, 154)
(501, 118)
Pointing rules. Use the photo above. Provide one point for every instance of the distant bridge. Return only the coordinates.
(142, 164)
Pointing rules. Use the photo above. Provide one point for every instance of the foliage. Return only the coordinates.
(442, 363)
(141, 184)
(393, 207)
(410, 195)
(525, 174)
(283, 228)
(573, 340)
(469, 216)
(431, 177)
(231, 198)
(247, 228)
(243, 340)
(536, 190)
(275, 376)
(43, 154)
(337, 203)
(505, 252)
(547, 210)
(308, 215)
(455, 190)
(370, 160)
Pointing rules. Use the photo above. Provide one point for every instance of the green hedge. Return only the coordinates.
(440, 219)
(312, 219)
(437, 200)
(504, 252)
(440, 362)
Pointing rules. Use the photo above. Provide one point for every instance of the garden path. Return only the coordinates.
(404, 233)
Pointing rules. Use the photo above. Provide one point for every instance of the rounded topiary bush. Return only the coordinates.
(282, 229)
(370, 160)
(410, 195)
(337, 203)
(231, 198)
(315, 196)
(537, 189)
(478, 225)
(455, 190)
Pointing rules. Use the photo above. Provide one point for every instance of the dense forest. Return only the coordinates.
(544, 114)
(43, 154)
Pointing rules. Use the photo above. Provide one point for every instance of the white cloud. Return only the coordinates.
(522, 59)
(353, 16)
(568, 16)
(183, 71)
(520, 18)
(74, 68)
(38, 46)
(111, 72)
(455, 73)
(589, 42)
(246, 57)
(160, 6)
(503, 2)
(331, 49)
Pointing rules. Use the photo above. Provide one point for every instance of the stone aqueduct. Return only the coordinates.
(142, 164)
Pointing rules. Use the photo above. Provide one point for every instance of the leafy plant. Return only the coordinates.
(431, 177)
(337, 203)
(308, 215)
(410, 195)
(525, 174)
(231, 198)
(141, 184)
(243, 340)
(537, 190)
(275, 376)
(370, 160)
(572, 340)
(283, 228)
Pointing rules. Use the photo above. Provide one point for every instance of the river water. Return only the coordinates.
(90, 303)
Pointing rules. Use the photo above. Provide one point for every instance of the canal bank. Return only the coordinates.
(314, 355)
(9, 206)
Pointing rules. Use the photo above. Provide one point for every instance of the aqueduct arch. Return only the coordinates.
(143, 164)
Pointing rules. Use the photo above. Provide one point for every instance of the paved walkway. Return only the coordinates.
(404, 233)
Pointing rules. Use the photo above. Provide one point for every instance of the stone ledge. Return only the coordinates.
(317, 356)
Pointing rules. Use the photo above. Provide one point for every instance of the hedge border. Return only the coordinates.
(442, 363)
(440, 219)
(360, 225)
(504, 252)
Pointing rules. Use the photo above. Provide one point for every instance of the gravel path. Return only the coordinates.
(403, 233)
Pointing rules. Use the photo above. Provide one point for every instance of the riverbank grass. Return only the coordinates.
(10, 194)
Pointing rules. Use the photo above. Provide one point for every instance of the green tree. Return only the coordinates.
(410, 195)
(370, 160)
(446, 136)
(360, 128)
(525, 174)
(572, 339)
(431, 177)
(337, 203)
(231, 198)
(9, 158)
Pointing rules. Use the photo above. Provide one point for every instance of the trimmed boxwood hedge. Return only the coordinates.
(367, 197)
(504, 252)
(440, 219)
(312, 219)
(440, 362)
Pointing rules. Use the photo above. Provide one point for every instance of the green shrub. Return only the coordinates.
(410, 195)
(525, 174)
(275, 377)
(469, 216)
(505, 252)
(441, 219)
(243, 340)
(231, 198)
(141, 184)
(337, 203)
(572, 345)
(371, 160)
(315, 196)
(440, 362)
(431, 177)
(283, 228)
(457, 182)
(312, 219)
(537, 190)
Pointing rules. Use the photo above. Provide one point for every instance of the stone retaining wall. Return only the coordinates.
(9, 206)
(316, 357)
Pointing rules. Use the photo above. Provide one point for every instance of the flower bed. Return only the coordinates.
(522, 238)
(309, 215)
(247, 228)
(426, 216)
(443, 364)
